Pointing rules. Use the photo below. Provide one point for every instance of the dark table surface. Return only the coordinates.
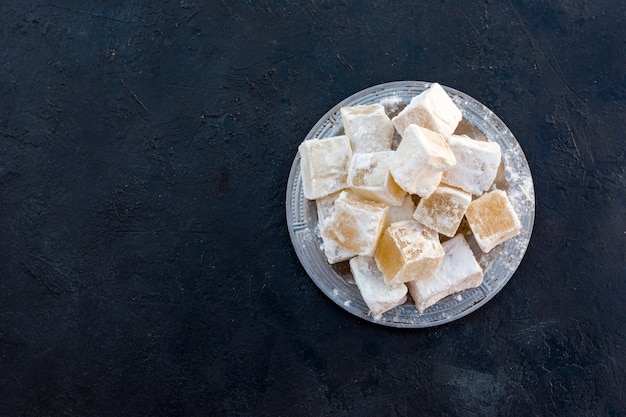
(145, 263)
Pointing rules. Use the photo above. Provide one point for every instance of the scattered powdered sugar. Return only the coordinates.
(524, 191)
(520, 190)
(318, 234)
(391, 103)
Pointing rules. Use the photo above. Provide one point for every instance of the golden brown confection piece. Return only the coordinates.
(408, 251)
(492, 219)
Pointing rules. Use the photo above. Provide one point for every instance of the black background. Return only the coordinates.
(145, 263)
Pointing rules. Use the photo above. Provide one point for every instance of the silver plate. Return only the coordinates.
(514, 178)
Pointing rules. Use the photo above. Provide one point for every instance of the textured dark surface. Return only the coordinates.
(145, 264)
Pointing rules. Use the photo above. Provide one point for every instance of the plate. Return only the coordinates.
(514, 177)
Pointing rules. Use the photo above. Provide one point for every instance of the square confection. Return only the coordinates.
(432, 109)
(408, 251)
(458, 271)
(402, 212)
(357, 224)
(379, 296)
(368, 127)
(443, 210)
(334, 251)
(418, 164)
(369, 176)
(476, 166)
(492, 219)
(324, 165)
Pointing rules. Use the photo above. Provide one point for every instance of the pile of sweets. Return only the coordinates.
(365, 192)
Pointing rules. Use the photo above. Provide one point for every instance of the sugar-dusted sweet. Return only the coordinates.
(402, 212)
(408, 251)
(324, 165)
(476, 166)
(369, 176)
(379, 296)
(458, 271)
(492, 219)
(332, 249)
(432, 109)
(368, 127)
(418, 163)
(357, 224)
(443, 210)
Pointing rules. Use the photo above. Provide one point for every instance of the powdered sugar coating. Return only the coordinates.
(476, 165)
(368, 127)
(458, 271)
(376, 292)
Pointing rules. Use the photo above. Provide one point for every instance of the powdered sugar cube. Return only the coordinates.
(492, 219)
(369, 176)
(432, 109)
(443, 210)
(420, 160)
(368, 127)
(378, 295)
(476, 166)
(458, 271)
(334, 251)
(324, 165)
(357, 224)
(408, 251)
